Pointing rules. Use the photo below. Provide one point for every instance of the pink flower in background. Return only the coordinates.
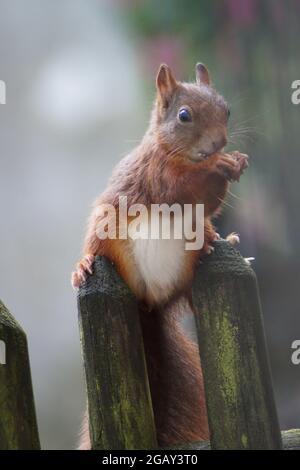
(163, 49)
(243, 12)
(279, 15)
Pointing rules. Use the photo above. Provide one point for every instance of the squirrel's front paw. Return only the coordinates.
(83, 268)
(233, 238)
(232, 165)
(208, 247)
(242, 163)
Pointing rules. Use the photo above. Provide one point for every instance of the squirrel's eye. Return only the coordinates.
(228, 113)
(184, 115)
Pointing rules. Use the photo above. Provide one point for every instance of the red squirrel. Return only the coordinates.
(179, 160)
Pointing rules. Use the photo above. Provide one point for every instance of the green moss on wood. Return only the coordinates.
(227, 360)
(119, 400)
(18, 427)
(244, 440)
(239, 394)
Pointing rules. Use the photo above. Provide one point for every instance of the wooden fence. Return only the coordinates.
(18, 426)
(237, 379)
(239, 393)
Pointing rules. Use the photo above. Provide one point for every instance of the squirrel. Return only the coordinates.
(181, 159)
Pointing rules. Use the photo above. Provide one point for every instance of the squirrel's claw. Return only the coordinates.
(233, 164)
(84, 267)
(233, 238)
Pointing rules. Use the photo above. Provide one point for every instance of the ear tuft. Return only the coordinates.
(166, 84)
(202, 74)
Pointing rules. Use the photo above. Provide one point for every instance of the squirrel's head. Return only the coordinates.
(189, 118)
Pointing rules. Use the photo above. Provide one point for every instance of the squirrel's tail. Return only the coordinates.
(175, 378)
(84, 435)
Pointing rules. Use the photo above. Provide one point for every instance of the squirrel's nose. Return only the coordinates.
(220, 143)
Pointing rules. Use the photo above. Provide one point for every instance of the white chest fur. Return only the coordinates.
(159, 264)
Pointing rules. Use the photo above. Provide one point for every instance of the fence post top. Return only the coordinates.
(7, 320)
(105, 280)
(225, 259)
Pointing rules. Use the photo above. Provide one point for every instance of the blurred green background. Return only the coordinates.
(80, 85)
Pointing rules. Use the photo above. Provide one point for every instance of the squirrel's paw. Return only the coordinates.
(83, 268)
(233, 238)
(208, 248)
(232, 165)
(242, 163)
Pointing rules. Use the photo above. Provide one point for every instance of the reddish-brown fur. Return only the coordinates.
(175, 378)
(165, 168)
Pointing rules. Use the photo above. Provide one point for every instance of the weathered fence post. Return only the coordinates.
(239, 393)
(119, 402)
(18, 426)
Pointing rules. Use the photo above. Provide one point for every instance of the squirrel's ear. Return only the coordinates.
(166, 84)
(202, 74)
